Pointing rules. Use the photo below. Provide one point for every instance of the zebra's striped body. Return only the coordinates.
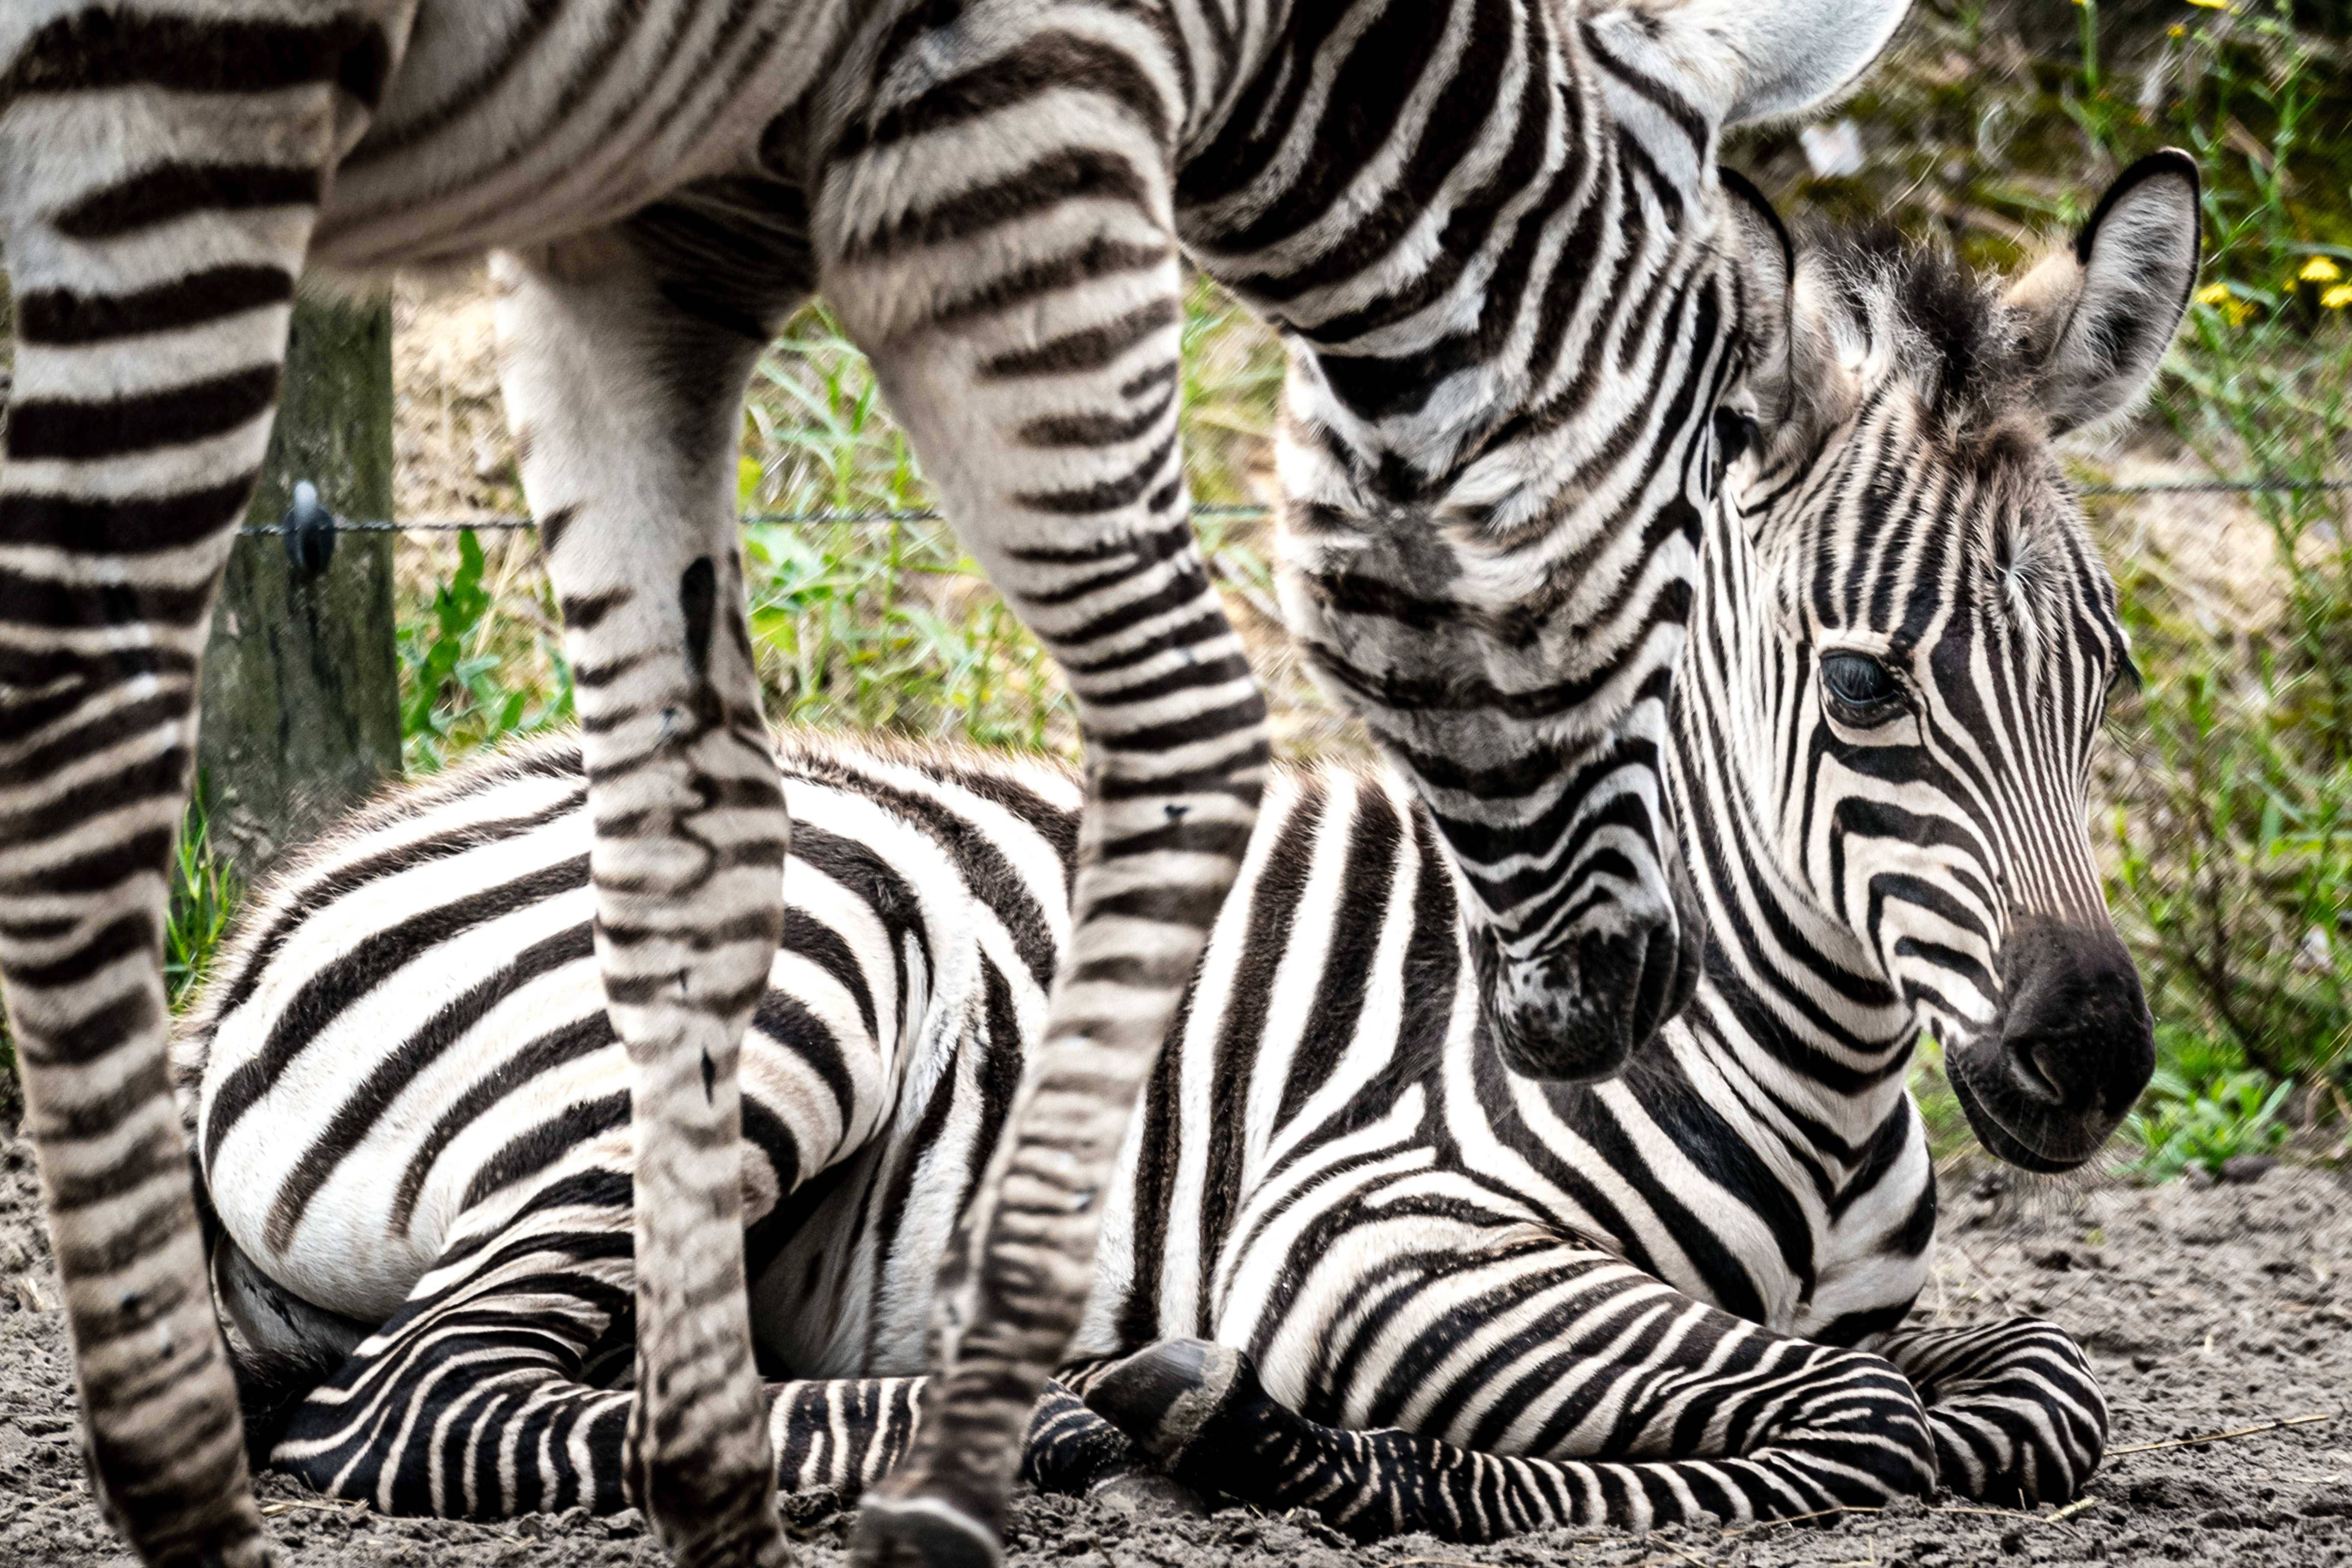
(1490, 226)
(1677, 1292)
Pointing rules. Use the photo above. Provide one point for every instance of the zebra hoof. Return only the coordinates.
(1164, 1396)
(920, 1532)
(1142, 1493)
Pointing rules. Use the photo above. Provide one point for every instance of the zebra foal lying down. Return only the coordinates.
(1489, 230)
(1442, 1295)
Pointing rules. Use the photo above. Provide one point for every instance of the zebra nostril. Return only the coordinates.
(2033, 1072)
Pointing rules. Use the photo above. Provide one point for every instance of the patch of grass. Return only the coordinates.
(204, 895)
(2183, 1122)
(2233, 823)
(872, 624)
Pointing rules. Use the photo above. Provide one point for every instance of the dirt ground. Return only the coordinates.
(2206, 1310)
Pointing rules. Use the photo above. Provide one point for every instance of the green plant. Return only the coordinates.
(2233, 826)
(204, 895)
(2183, 1122)
(456, 695)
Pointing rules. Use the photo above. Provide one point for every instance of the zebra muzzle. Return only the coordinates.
(1578, 1016)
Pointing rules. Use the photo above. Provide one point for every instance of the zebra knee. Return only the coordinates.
(1869, 1430)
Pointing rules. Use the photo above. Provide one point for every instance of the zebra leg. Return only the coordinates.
(624, 379)
(2017, 1415)
(1030, 341)
(843, 1435)
(482, 1398)
(1757, 1425)
(156, 206)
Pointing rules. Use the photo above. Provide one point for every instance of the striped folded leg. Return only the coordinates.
(2018, 1415)
(501, 1387)
(1029, 339)
(155, 208)
(625, 363)
(1682, 1413)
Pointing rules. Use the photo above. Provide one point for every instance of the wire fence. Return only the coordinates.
(508, 522)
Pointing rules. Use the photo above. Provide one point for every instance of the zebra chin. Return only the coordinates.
(2047, 1083)
(1578, 1016)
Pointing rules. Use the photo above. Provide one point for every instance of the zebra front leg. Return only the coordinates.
(2017, 1415)
(628, 407)
(156, 206)
(1025, 323)
(1816, 1429)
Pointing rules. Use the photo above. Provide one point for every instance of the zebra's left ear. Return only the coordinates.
(1767, 273)
(2100, 313)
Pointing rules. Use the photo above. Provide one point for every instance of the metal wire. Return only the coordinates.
(2217, 487)
(495, 523)
(498, 523)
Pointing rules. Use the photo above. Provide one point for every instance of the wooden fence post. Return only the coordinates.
(301, 691)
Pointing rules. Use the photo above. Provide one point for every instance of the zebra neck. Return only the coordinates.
(1402, 243)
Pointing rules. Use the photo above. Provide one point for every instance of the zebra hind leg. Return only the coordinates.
(279, 1346)
(1844, 1432)
(2018, 1415)
(1071, 1449)
(627, 352)
(1027, 332)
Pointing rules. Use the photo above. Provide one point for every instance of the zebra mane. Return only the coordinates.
(1949, 328)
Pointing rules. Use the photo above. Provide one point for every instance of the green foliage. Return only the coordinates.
(2233, 834)
(204, 895)
(2184, 1121)
(457, 691)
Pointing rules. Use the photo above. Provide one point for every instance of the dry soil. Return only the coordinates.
(2207, 1311)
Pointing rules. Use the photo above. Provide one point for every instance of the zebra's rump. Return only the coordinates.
(405, 1039)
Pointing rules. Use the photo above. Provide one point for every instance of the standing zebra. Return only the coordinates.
(1680, 1292)
(1489, 229)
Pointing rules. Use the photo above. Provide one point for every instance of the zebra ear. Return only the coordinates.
(2100, 313)
(1767, 271)
(1782, 56)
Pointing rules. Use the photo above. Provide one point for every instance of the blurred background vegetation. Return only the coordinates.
(2223, 805)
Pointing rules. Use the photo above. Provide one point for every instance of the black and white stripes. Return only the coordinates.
(1348, 1261)
(1490, 227)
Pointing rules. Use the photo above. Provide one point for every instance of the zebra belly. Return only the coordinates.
(421, 1050)
(513, 121)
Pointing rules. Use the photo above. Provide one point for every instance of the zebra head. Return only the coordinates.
(1904, 652)
(1491, 495)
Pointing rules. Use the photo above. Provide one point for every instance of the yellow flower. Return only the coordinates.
(2176, 31)
(2319, 269)
(2234, 309)
(2211, 5)
(2335, 298)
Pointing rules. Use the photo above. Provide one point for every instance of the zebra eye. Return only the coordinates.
(1734, 432)
(1861, 690)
